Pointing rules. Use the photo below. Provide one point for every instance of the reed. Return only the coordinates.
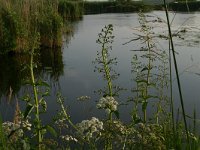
(176, 70)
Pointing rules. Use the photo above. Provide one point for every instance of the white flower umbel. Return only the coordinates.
(9, 127)
(90, 128)
(26, 124)
(108, 103)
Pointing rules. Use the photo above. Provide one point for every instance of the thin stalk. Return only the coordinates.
(171, 91)
(148, 76)
(37, 115)
(186, 2)
(69, 120)
(67, 116)
(124, 145)
(176, 70)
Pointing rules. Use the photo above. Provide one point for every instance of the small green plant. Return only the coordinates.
(149, 68)
(36, 103)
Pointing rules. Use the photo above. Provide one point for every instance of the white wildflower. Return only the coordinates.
(25, 124)
(9, 127)
(120, 127)
(108, 103)
(90, 128)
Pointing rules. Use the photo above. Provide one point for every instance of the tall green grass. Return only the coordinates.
(19, 19)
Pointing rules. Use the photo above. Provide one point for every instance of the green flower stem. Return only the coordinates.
(106, 68)
(37, 115)
(176, 69)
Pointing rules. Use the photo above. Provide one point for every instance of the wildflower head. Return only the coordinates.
(90, 128)
(108, 103)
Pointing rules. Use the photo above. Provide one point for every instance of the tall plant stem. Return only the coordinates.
(107, 70)
(176, 70)
(171, 89)
(37, 115)
(148, 75)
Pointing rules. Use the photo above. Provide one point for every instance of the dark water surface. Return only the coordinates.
(71, 70)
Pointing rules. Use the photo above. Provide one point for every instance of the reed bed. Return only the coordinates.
(20, 19)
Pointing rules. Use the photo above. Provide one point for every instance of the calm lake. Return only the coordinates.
(71, 70)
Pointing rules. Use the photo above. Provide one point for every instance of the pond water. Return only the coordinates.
(71, 70)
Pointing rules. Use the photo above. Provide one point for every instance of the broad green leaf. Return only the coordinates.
(51, 130)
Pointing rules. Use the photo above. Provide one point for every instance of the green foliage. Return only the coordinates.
(20, 19)
(70, 9)
(149, 66)
(3, 140)
(8, 29)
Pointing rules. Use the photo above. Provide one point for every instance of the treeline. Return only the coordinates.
(183, 6)
(23, 21)
(114, 7)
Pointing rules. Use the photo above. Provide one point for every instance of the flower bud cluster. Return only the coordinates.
(9, 127)
(90, 128)
(83, 98)
(26, 124)
(108, 103)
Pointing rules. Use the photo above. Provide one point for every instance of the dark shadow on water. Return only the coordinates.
(14, 70)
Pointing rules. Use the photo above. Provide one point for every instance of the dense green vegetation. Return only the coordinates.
(114, 7)
(21, 19)
(183, 6)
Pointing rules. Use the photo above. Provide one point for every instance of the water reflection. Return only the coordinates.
(13, 71)
(11, 75)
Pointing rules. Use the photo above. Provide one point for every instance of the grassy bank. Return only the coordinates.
(21, 19)
(114, 7)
